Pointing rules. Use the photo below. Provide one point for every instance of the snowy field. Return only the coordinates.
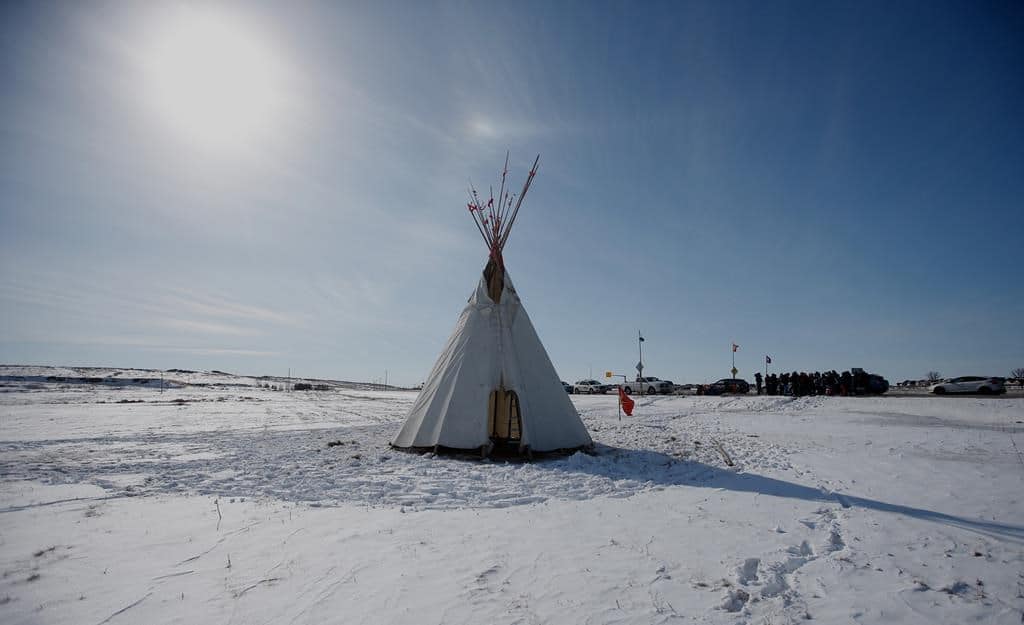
(218, 501)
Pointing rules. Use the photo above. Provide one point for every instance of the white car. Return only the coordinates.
(589, 387)
(970, 384)
(648, 386)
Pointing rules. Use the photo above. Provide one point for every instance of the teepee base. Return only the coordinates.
(500, 452)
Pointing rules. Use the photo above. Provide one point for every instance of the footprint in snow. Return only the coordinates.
(746, 573)
(835, 541)
(735, 600)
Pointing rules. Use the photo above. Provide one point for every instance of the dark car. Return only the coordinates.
(877, 385)
(865, 383)
(727, 386)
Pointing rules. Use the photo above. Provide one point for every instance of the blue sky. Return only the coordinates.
(834, 184)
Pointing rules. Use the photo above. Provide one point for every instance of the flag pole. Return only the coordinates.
(640, 344)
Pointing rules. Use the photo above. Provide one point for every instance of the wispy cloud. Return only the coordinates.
(145, 343)
(214, 351)
(178, 307)
(205, 327)
(489, 127)
(35, 296)
(203, 304)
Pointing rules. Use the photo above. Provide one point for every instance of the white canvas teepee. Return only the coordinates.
(494, 385)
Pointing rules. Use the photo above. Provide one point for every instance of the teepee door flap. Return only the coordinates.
(504, 421)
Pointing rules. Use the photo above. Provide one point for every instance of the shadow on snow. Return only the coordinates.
(619, 463)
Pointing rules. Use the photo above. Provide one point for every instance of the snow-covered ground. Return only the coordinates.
(220, 501)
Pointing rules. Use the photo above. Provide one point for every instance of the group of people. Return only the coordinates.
(801, 383)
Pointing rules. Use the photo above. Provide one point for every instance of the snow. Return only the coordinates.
(221, 501)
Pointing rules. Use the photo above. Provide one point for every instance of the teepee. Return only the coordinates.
(494, 387)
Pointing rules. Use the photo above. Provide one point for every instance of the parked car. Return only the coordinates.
(865, 383)
(590, 387)
(877, 385)
(971, 384)
(566, 386)
(728, 386)
(649, 386)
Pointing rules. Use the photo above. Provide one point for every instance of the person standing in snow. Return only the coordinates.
(845, 383)
(757, 381)
(833, 382)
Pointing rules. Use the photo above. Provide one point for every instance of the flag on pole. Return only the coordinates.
(735, 347)
(767, 360)
(627, 402)
(641, 338)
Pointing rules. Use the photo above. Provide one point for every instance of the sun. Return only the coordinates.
(212, 80)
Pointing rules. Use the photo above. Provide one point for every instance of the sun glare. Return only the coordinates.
(213, 81)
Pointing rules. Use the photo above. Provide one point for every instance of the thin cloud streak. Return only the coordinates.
(204, 327)
(156, 344)
(201, 304)
(213, 351)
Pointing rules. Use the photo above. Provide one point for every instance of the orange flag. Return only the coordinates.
(626, 401)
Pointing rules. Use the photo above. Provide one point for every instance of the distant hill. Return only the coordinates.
(170, 378)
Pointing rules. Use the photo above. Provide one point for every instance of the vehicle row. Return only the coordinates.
(649, 385)
(866, 384)
(642, 385)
